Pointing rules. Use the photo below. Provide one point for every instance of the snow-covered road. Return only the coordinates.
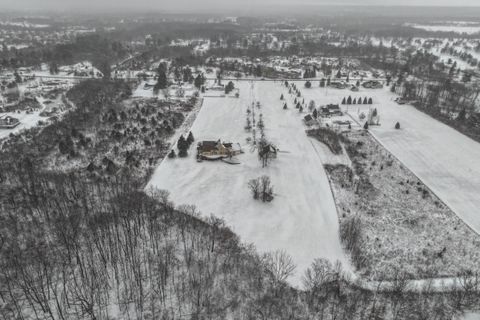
(302, 219)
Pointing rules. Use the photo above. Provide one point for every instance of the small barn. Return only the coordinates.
(309, 121)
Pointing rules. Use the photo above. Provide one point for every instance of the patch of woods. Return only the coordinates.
(106, 132)
(329, 137)
(389, 219)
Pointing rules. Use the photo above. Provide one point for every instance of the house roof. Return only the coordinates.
(308, 118)
(206, 146)
(333, 106)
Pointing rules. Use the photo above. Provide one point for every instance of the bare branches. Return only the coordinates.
(279, 264)
(261, 188)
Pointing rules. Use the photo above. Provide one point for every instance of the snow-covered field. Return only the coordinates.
(458, 28)
(444, 159)
(302, 219)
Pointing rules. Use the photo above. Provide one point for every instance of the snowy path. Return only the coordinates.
(447, 161)
(302, 220)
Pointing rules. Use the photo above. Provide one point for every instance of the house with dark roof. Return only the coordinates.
(8, 122)
(331, 110)
(214, 150)
(308, 119)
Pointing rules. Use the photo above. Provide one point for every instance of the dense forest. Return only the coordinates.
(97, 48)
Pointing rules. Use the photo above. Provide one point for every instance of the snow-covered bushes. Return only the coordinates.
(329, 137)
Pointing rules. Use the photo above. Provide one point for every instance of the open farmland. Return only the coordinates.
(301, 220)
(444, 159)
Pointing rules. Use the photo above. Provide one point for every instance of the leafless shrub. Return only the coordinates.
(261, 188)
(254, 186)
(279, 264)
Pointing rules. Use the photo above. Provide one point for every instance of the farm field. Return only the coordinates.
(302, 219)
(444, 159)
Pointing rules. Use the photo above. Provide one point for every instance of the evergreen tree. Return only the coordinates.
(349, 100)
(187, 74)
(162, 81)
(365, 100)
(315, 113)
(285, 105)
(230, 86)
(53, 68)
(344, 101)
(281, 97)
(199, 81)
(359, 101)
(370, 101)
(354, 101)
(183, 153)
(190, 138)
(182, 143)
(397, 125)
(365, 126)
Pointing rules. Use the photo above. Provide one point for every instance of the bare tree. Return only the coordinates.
(279, 264)
(254, 186)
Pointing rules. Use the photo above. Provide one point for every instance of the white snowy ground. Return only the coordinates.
(447, 161)
(302, 219)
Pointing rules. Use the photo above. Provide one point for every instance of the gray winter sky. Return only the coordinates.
(193, 5)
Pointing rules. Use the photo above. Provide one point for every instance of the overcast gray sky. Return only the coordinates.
(192, 5)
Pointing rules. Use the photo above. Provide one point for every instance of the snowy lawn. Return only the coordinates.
(302, 219)
(444, 159)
